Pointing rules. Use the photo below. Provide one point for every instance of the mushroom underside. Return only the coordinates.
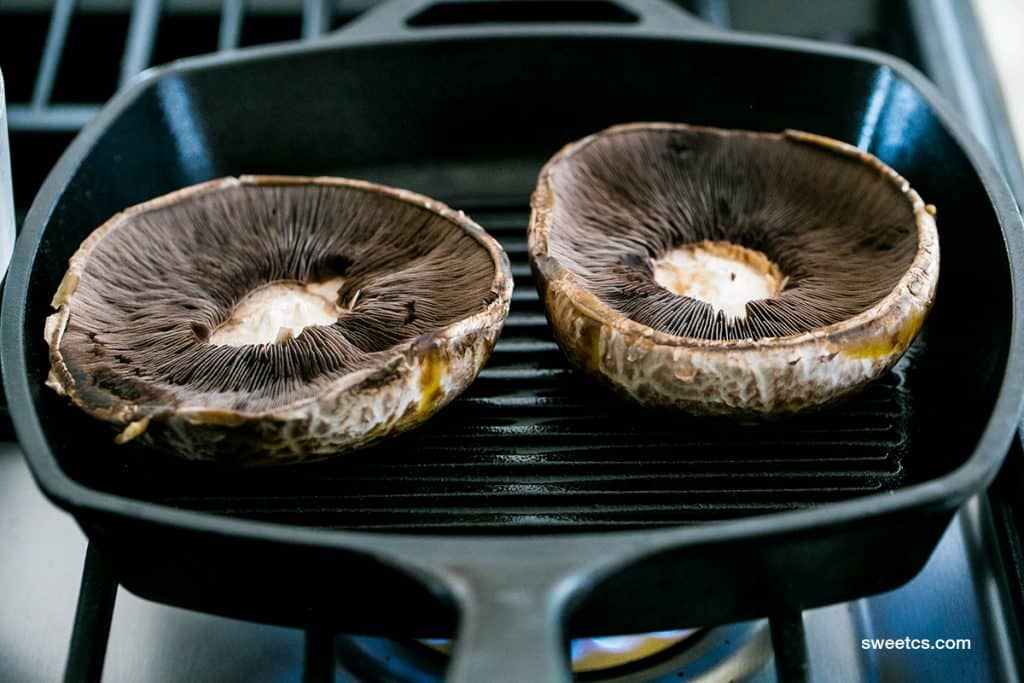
(255, 296)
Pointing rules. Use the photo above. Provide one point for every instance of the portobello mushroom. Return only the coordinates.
(276, 319)
(730, 272)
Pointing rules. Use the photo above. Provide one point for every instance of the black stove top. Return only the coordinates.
(62, 59)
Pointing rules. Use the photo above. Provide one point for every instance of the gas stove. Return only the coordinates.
(959, 619)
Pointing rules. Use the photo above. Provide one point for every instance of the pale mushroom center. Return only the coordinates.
(280, 311)
(722, 274)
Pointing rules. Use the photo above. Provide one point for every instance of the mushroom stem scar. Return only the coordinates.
(278, 312)
(724, 275)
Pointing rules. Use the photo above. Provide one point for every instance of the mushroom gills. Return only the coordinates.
(723, 275)
(822, 235)
(280, 311)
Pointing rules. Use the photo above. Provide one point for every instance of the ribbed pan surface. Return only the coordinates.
(534, 446)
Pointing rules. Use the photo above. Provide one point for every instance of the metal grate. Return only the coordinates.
(533, 445)
(42, 113)
(63, 58)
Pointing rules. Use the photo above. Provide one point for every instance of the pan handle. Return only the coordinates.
(511, 624)
(512, 606)
(404, 18)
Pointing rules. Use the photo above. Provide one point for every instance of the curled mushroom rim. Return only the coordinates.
(923, 266)
(123, 411)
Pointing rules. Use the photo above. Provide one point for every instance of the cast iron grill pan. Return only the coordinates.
(535, 506)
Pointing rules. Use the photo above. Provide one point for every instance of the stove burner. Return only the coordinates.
(607, 652)
(725, 653)
(599, 654)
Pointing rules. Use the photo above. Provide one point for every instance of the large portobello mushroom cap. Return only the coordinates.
(730, 272)
(276, 319)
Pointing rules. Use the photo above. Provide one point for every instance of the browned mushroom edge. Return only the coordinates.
(763, 376)
(403, 385)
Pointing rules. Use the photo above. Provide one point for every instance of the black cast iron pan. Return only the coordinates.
(535, 507)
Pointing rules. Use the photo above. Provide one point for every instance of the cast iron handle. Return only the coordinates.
(511, 624)
(512, 600)
(511, 612)
(399, 17)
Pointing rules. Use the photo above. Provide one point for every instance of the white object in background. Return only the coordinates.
(1002, 23)
(6, 191)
